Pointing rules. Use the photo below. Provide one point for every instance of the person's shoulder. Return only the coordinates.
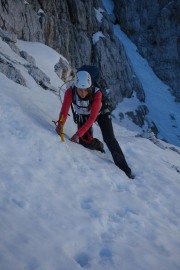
(97, 97)
(70, 89)
(98, 93)
(69, 93)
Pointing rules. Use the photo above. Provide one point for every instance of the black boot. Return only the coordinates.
(94, 144)
(131, 175)
(120, 161)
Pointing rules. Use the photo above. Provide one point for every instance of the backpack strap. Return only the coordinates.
(75, 115)
(105, 106)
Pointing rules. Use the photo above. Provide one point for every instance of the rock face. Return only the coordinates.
(19, 18)
(11, 72)
(154, 26)
(71, 28)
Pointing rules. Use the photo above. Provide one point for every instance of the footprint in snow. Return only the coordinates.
(83, 259)
(106, 255)
(20, 203)
(87, 204)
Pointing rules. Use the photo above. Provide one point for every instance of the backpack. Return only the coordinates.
(97, 82)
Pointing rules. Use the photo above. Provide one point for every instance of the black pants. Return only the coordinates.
(105, 124)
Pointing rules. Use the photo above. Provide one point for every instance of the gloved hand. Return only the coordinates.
(59, 129)
(59, 125)
(75, 138)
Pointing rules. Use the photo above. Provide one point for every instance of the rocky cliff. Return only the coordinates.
(72, 28)
(155, 28)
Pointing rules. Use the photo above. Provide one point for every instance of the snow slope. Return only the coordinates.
(64, 207)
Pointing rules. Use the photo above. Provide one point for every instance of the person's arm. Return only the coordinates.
(93, 115)
(64, 110)
(66, 105)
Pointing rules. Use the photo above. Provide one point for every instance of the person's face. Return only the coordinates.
(82, 92)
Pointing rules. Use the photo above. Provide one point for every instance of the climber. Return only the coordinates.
(87, 101)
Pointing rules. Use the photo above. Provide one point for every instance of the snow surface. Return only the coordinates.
(64, 207)
(99, 15)
(97, 36)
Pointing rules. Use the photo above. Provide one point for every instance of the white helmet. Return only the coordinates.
(82, 79)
